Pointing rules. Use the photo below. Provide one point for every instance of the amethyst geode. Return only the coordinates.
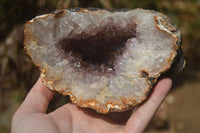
(105, 60)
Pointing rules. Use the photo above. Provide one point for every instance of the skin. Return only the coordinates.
(31, 116)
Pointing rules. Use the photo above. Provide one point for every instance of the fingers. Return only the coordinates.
(37, 99)
(142, 116)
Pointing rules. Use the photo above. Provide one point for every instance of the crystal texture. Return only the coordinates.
(105, 60)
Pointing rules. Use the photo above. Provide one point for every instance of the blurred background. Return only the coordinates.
(179, 113)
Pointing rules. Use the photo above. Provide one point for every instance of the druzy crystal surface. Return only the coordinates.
(105, 60)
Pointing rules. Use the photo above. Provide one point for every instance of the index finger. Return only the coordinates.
(142, 116)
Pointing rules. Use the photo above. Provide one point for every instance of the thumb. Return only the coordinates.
(37, 99)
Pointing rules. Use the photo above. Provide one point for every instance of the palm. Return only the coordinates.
(83, 120)
(31, 116)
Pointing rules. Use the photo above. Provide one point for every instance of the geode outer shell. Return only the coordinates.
(105, 60)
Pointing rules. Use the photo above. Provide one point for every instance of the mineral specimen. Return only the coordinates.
(105, 60)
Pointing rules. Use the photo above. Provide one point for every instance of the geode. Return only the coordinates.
(108, 60)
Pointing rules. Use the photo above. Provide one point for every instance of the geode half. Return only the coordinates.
(105, 60)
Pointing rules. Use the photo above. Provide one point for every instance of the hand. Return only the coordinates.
(31, 116)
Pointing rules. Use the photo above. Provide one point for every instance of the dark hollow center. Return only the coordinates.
(98, 52)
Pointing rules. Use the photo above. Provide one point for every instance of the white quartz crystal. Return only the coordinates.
(148, 49)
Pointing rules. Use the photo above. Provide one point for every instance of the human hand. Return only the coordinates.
(31, 116)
